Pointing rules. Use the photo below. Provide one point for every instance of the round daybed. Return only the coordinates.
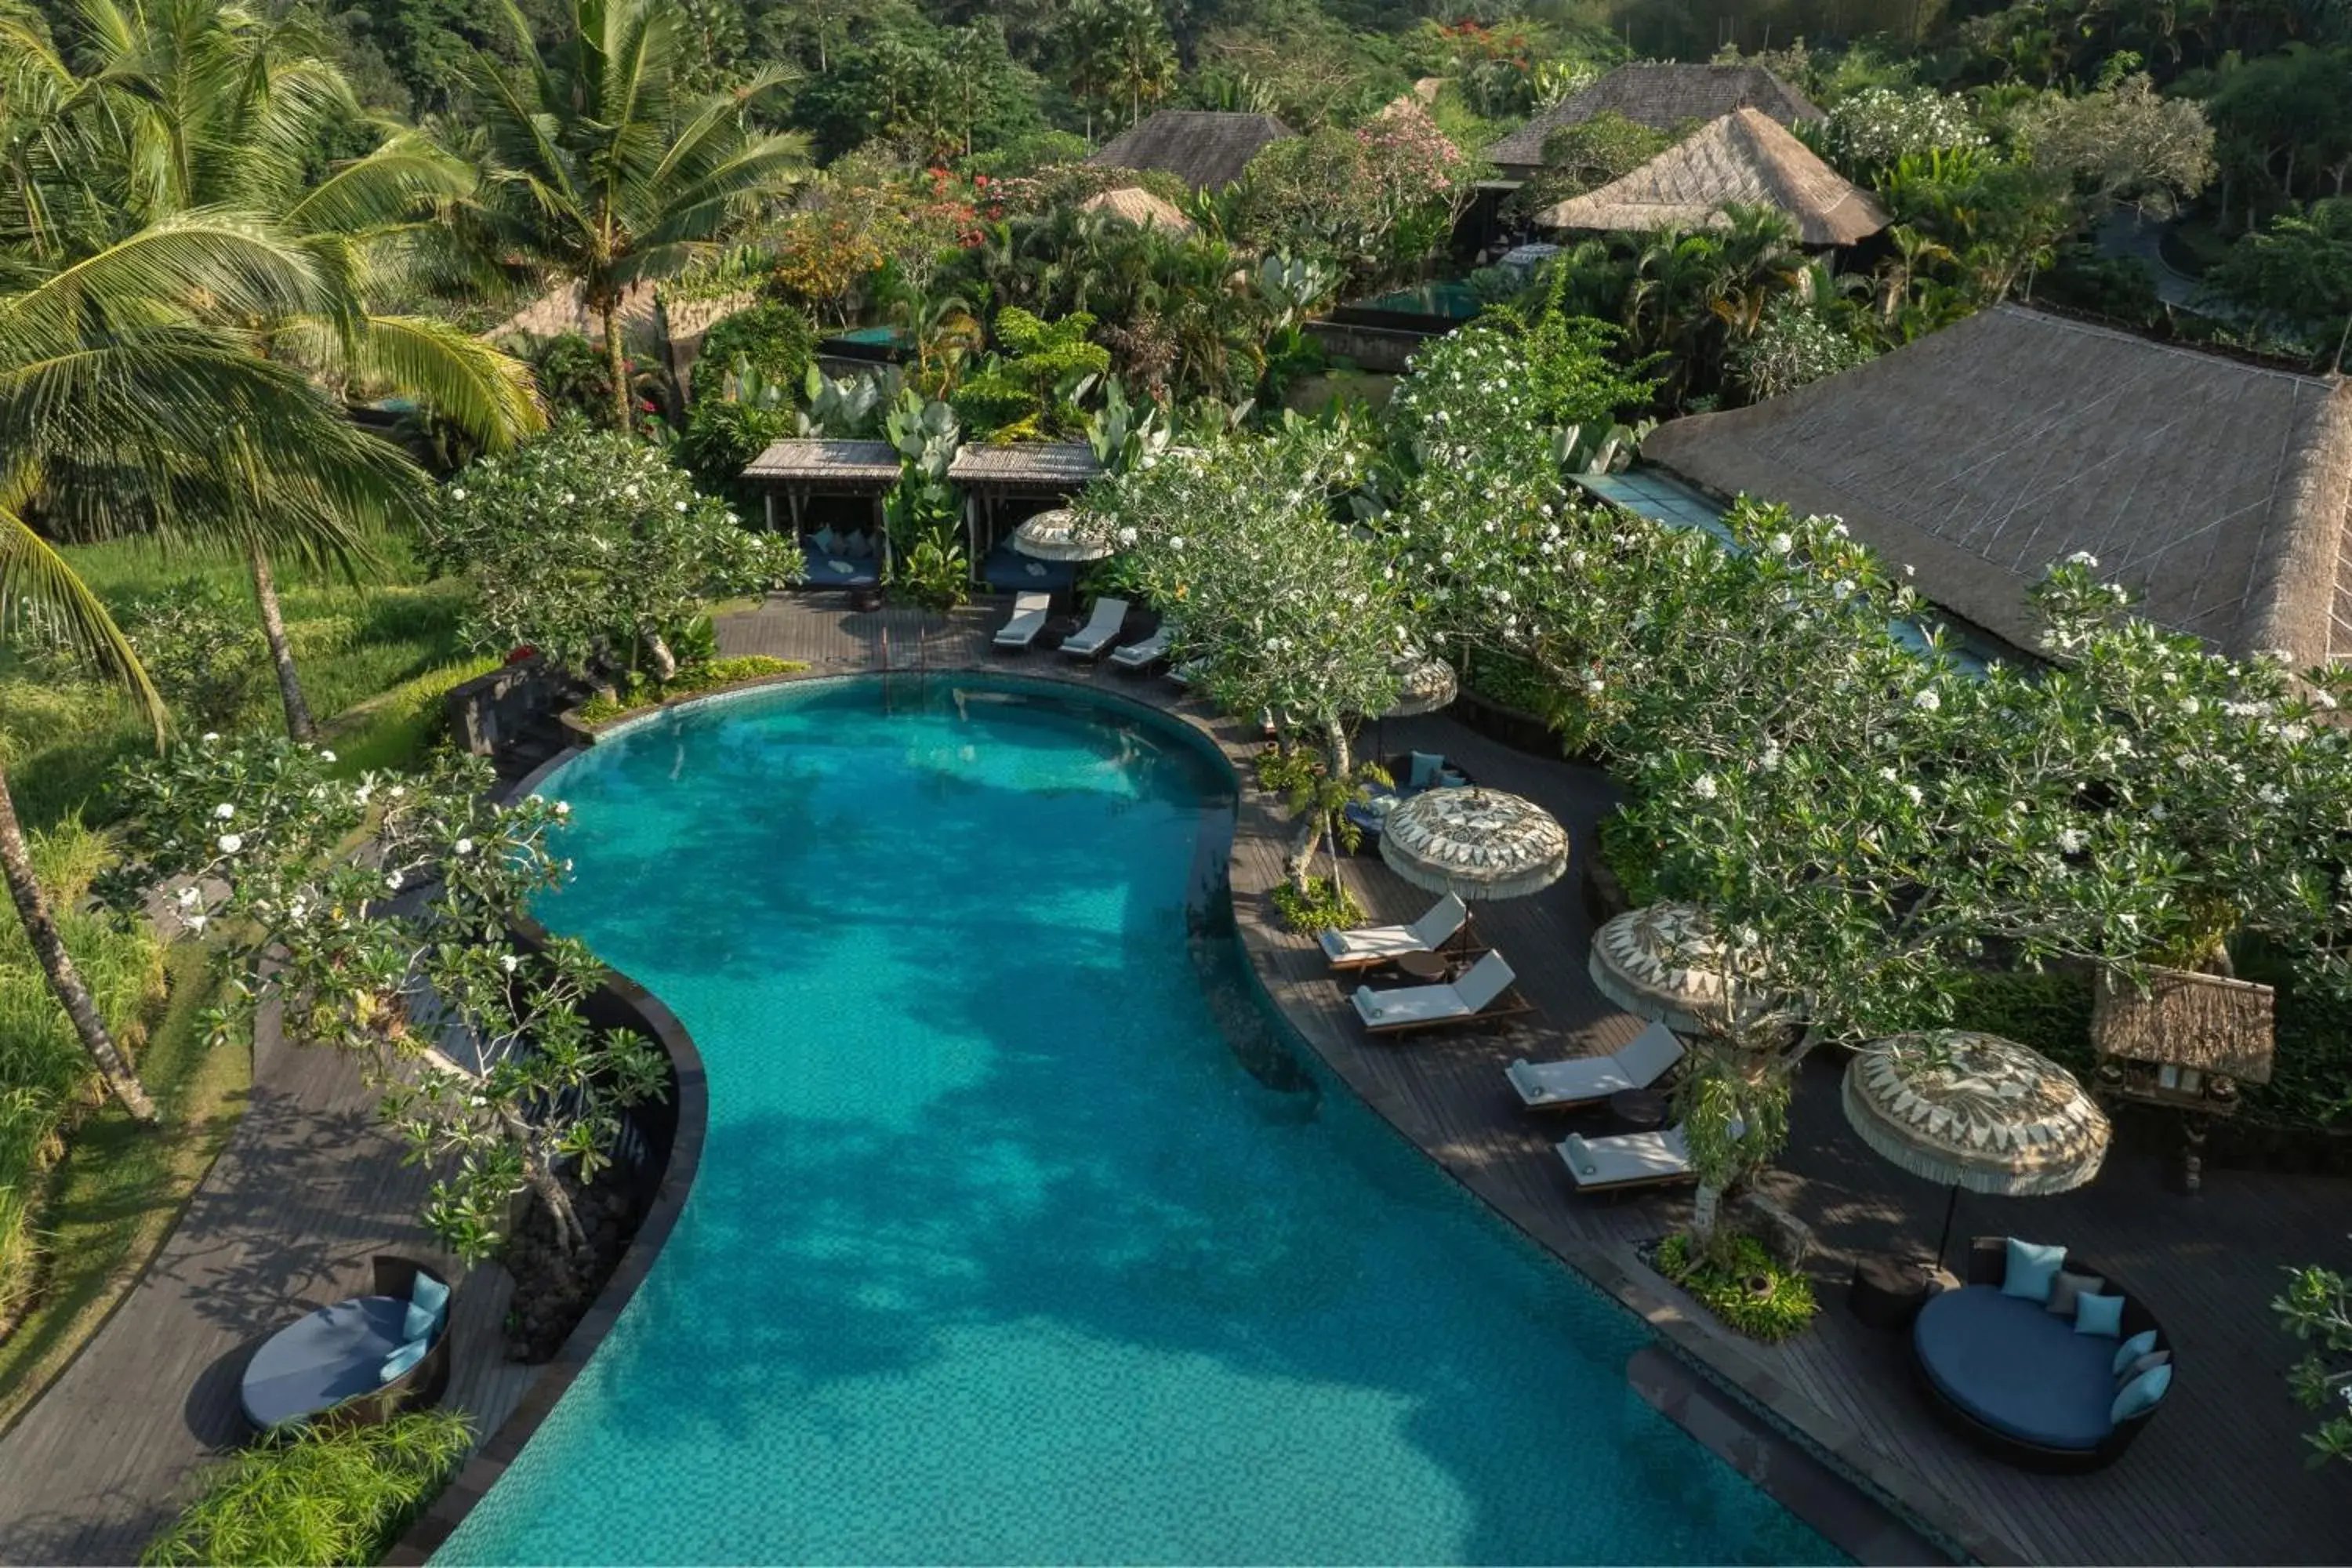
(334, 1359)
(2017, 1379)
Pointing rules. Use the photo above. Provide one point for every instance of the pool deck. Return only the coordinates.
(309, 1190)
(2218, 1477)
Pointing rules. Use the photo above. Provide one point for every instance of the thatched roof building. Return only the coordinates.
(2209, 1022)
(842, 467)
(1744, 156)
(1661, 96)
(1206, 149)
(1140, 207)
(1025, 468)
(2217, 491)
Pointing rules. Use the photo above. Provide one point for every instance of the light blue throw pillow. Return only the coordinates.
(2099, 1315)
(1426, 769)
(2032, 1267)
(2132, 1348)
(430, 1294)
(419, 1322)
(401, 1360)
(2140, 1394)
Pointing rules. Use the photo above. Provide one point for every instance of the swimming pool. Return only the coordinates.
(1018, 1236)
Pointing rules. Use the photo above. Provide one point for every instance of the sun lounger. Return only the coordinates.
(1383, 945)
(1587, 1080)
(1100, 633)
(1479, 995)
(1028, 620)
(1627, 1159)
(1145, 654)
(1185, 674)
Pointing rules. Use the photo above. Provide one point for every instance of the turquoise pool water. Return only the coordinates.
(1018, 1237)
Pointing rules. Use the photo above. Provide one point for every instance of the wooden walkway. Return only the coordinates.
(2217, 1478)
(310, 1189)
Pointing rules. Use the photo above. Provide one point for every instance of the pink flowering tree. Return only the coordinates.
(1376, 200)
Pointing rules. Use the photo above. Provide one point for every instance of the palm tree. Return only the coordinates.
(189, 106)
(127, 405)
(602, 170)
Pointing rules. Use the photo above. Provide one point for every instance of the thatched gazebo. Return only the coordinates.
(1662, 96)
(2217, 490)
(1142, 208)
(1744, 156)
(1207, 149)
(995, 479)
(821, 466)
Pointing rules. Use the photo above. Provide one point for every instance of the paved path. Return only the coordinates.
(2218, 1477)
(308, 1192)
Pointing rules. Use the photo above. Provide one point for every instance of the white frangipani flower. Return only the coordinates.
(230, 842)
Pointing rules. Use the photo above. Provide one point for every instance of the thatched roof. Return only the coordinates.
(1744, 156)
(1140, 207)
(2203, 1021)
(1026, 467)
(852, 468)
(1660, 96)
(2217, 491)
(1204, 148)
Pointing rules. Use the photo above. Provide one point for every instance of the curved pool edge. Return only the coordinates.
(1795, 1421)
(690, 1109)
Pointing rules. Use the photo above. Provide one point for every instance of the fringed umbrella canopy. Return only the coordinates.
(1423, 687)
(1055, 536)
(1475, 844)
(1975, 1111)
(1664, 962)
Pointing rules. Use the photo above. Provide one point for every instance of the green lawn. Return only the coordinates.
(112, 1201)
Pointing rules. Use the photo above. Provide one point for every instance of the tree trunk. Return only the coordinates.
(1705, 1209)
(616, 361)
(33, 909)
(570, 1239)
(299, 723)
(1307, 838)
(665, 661)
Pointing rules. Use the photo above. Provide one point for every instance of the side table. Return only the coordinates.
(1887, 1291)
(1427, 968)
(1637, 1109)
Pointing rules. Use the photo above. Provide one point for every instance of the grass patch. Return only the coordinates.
(112, 1201)
(1751, 1293)
(393, 731)
(640, 693)
(324, 1495)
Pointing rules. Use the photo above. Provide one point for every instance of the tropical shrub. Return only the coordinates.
(1878, 127)
(587, 545)
(202, 650)
(2317, 1309)
(771, 339)
(1321, 905)
(706, 675)
(1026, 391)
(325, 1494)
(1374, 200)
(1746, 1288)
(1792, 347)
(2294, 273)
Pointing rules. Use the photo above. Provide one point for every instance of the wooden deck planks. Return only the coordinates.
(2218, 1477)
(288, 1219)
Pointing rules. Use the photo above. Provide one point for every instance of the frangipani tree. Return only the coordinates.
(589, 545)
(1288, 609)
(405, 955)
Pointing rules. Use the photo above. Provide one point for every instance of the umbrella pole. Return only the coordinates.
(1943, 1242)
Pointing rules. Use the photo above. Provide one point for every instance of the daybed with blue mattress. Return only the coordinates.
(365, 1360)
(1008, 570)
(2040, 1359)
(842, 560)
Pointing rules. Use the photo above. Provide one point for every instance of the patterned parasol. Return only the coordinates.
(1663, 961)
(1055, 536)
(1424, 686)
(1475, 844)
(1975, 1111)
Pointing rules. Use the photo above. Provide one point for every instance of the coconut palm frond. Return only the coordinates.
(35, 579)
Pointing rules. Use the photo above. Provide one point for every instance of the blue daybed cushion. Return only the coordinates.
(2033, 1269)
(2016, 1368)
(418, 1322)
(401, 1360)
(429, 1293)
(2100, 1315)
(2141, 1393)
(2132, 1348)
(1426, 769)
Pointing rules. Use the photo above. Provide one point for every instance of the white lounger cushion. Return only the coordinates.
(1639, 1064)
(1373, 942)
(1134, 655)
(1110, 616)
(1028, 620)
(1487, 979)
(1625, 1158)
